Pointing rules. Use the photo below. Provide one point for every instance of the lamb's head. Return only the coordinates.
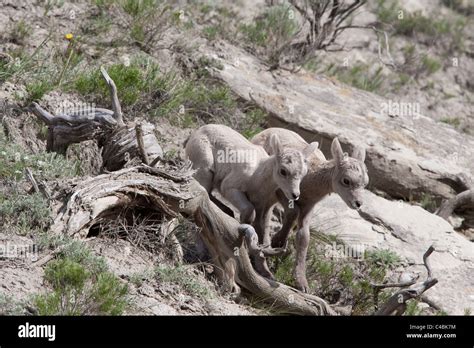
(350, 175)
(290, 166)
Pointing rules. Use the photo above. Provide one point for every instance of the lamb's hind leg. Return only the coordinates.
(260, 262)
(247, 216)
(302, 243)
(290, 214)
(239, 200)
(205, 177)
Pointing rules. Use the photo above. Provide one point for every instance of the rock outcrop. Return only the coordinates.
(408, 154)
(409, 231)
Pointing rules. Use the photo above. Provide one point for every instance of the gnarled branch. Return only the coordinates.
(396, 304)
(113, 94)
(462, 200)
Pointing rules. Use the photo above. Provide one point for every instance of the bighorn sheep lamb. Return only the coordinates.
(245, 174)
(347, 176)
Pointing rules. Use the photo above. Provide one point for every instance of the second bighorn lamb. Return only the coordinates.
(347, 176)
(244, 173)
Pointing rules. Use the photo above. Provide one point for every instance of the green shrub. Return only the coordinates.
(131, 81)
(212, 32)
(283, 268)
(193, 101)
(9, 306)
(149, 20)
(217, 20)
(360, 76)
(81, 285)
(44, 164)
(383, 258)
(20, 63)
(272, 31)
(431, 65)
(428, 202)
(49, 4)
(137, 8)
(78, 252)
(19, 32)
(339, 279)
(103, 5)
(36, 90)
(186, 102)
(254, 122)
(24, 213)
(387, 11)
(413, 308)
(439, 30)
(453, 121)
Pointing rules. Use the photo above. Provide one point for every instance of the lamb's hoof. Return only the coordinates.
(235, 292)
(302, 284)
(303, 288)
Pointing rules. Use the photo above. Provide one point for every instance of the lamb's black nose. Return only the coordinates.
(357, 204)
(295, 196)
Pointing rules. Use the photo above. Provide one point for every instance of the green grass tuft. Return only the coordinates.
(24, 213)
(47, 165)
(271, 31)
(432, 30)
(431, 65)
(360, 76)
(384, 258)
(81, 285)
(453, 121)
(179, 275)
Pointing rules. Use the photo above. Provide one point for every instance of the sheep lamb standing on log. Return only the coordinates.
(347, 176)
(245, 174)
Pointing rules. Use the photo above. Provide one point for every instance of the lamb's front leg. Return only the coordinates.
(302, 243)
(261, 266)
(290, 214)
(259, 225)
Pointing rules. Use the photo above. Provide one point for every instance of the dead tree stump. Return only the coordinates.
(120, 142)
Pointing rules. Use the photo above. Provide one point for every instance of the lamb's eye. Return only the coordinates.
(283, 172)
(346, 182)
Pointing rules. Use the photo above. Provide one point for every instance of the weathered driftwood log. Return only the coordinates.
(396, 304)
(462, 200)
(118, 140)
(171, 192)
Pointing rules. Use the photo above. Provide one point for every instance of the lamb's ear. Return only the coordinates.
(359, 153)
(336, 151)
(308, 150)
(275, 145)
